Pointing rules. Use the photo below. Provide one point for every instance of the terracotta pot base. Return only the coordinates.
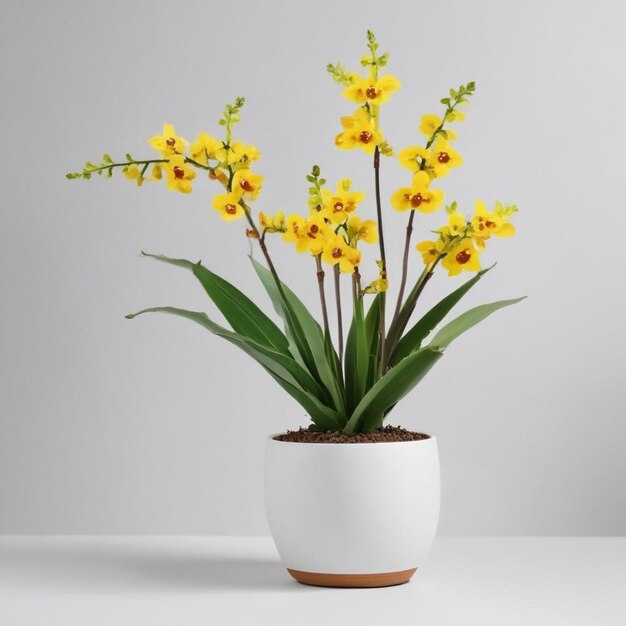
(387, 579)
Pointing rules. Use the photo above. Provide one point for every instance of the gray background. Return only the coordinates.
(153, 426)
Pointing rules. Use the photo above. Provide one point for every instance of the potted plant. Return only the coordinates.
(334, 489)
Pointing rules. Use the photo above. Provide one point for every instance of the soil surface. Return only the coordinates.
(382, 435)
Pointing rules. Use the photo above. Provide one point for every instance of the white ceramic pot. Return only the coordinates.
(353, 514)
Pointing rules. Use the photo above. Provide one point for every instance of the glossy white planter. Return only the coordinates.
(356, 514)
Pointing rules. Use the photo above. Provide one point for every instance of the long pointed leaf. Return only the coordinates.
(372, 325)
(465, 321)
(389, 389)
(242, 314)
(321, 415)
(307, 335)
(413, 338)
(287, 373)
(361, 358)
(361, 352)
(350, 367)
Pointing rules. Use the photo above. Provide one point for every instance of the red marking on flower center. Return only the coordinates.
(171, 142)
(371, 93)
(463, 257)
(245, 185)
(314, 228)
(179, 172)
(338, 206)
(490, 224)
(336, 253)
(416, 200)
(365, 136)
(231, 209)
(443, 157)
(481, 225)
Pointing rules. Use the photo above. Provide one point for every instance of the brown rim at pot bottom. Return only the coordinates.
(386, 579)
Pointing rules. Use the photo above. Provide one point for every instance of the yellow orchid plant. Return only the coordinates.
(349, 385)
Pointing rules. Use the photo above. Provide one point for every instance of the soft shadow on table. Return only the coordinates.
(114, 570)
(201, 573)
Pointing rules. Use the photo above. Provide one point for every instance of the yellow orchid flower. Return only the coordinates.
(219, 175)
(366, 90)
(430, 250)
(157, 172)
(462, 257)
(455, 116)
(247, 183)
(486, 223)
(362, 230)
(457, 225)
(411, 157)
(179, 174)
(338, 206)
(359, 132)
(295, 224)
(442, 158)
(227, 204)
(132, 172)
(337, 251)
(168, 143)
(204, 148)
(239, 154)
(275, 224)
(381, 284)
(313, 235)
(429, 124)
(417, 196)
(505, 212)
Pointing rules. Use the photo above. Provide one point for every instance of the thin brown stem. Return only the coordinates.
(339, 316)
(400, 322)
(320, 284)
(405, 266)
(409, 227)
(356, 280)
(379, 212)
(383, 260)
(396, 330)
(264, 250)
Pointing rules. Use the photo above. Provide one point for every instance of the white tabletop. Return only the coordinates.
(219, 581)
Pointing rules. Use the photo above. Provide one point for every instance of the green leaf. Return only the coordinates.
(240, 312)
(413, 338)
(391, 388)
(287, 373)
(305, 336)
(321, 415)
(335, 374)
(349, 367)
(399, 323)
(465, 321)
(356, 358)
(362, 353)
(372, 323)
